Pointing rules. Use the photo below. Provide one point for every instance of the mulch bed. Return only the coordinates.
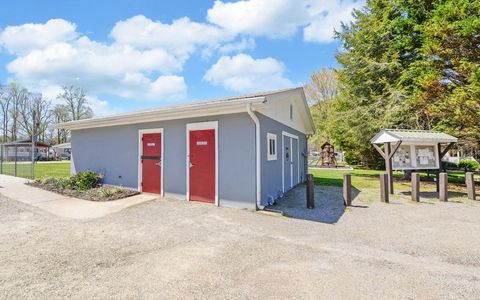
(91, 194)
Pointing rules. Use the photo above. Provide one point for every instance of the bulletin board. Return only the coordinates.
(416, 156)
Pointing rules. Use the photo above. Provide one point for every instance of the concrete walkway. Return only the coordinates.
(64, 206)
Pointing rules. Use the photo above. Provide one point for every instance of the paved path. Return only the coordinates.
(64, 206)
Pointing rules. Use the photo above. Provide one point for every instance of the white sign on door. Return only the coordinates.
(151, 144)
(202, 143)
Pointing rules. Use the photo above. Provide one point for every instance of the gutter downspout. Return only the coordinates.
(257, 156)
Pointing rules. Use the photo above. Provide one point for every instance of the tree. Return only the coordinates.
(320, 92)
(76, 102)
(4, 110)
(408, 64)
(449, 77)
(60, 113)
(323, 86)
(41, 106)
(17, 95)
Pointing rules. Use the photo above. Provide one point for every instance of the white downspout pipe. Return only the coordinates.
(258, 162)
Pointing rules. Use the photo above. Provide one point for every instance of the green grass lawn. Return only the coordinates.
(368, 183)
(42, 169)
(365, 179)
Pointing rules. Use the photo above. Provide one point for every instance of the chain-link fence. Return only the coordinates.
(18, 158)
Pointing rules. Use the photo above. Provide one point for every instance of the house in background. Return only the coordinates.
(62, 151)
(21, 150)
(241, 152)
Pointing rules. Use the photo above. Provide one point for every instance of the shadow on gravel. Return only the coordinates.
(434, 195)
(329, 206)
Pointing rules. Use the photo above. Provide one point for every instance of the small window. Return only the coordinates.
(271, 146)
(291, 112)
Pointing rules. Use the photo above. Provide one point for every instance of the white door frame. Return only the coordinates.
(201, 126)
(162, 156)
(291, 136)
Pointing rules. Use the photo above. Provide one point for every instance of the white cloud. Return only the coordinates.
(118, 69)
(27, 37)
(145, 57)
(283, 18)
(239, 46)
(163, 88)
(327, 17)
(50, 92)
(182, 37)
(273, 18)
(242, 73)
(84, 57)
(101, 107)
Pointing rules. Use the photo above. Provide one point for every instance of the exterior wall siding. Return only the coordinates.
(272, 170)
(114, 150)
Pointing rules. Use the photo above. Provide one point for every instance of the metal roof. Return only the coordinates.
(25, 143)
(406, 135)
(63, 146)
(195, 109)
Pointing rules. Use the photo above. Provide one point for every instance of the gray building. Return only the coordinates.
(244, 151)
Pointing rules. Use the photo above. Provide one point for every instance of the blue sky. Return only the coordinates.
(135, 54)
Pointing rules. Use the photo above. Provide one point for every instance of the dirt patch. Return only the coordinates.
(102, 193)
(328, 208)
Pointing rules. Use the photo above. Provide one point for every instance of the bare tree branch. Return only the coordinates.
(77, 103)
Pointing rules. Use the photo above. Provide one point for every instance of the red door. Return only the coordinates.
(202, 165)
(151, 162)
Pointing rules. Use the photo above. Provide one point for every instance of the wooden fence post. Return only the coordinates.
(443, 186)
(347, 189)
(470, 181)
(388, 166)
(384, 195)
(415, 187)
(310, 192)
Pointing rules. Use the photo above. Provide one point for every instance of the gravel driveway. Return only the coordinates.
(175, 249)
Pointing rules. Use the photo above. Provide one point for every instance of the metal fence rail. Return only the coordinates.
(16, 159)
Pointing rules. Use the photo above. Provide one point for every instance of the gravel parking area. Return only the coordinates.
(175, 249)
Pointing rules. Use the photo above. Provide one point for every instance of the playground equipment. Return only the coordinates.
(327, 155)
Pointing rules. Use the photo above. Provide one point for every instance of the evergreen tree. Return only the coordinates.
(408, 64)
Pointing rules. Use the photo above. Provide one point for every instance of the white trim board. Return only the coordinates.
(162, 156)
(274, 156)
(291, 136)
(198, 109)
(201, 126)
(272, 104)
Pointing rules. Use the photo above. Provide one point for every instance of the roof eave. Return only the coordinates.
(433, 140)
(383, 131)
(311, 123)
(181, 112)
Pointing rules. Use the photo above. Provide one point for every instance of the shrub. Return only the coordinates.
(351, 158)
(449, 165)
(468, 165)
(105, 192)
(84, 181)
(64, 183)
(108, 192)
(56, 183)
(81, 181)
(117, 190)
